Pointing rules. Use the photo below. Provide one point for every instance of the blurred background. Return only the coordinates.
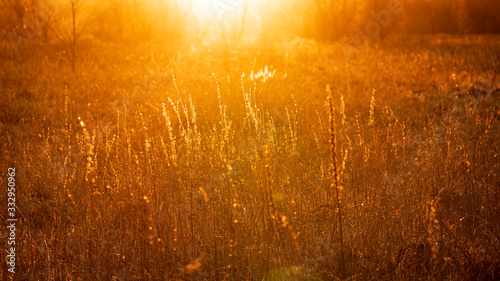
(77, 24)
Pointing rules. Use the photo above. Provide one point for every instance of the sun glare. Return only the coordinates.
(217, 9)
(243, 15)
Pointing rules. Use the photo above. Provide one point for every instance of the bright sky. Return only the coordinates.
(215, 18)
(209, 9)
(209, 14)
(223, 9)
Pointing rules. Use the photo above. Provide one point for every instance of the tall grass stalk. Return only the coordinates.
(335, 185)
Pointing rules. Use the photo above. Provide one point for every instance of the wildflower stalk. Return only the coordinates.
(335, 184)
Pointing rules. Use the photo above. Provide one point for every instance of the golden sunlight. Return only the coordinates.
(217, 9)
(229, 21)
(250, 140)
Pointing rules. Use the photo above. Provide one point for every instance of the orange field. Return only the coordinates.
(298, 159)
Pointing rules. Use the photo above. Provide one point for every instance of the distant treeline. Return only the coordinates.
(330, 20)
(67, 22)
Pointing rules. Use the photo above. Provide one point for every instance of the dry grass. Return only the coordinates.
(128, 170)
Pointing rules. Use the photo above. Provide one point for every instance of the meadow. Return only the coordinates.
(291, 161)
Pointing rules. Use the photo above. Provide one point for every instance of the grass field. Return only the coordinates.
(154, 163)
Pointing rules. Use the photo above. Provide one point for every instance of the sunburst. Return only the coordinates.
(217, 9)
